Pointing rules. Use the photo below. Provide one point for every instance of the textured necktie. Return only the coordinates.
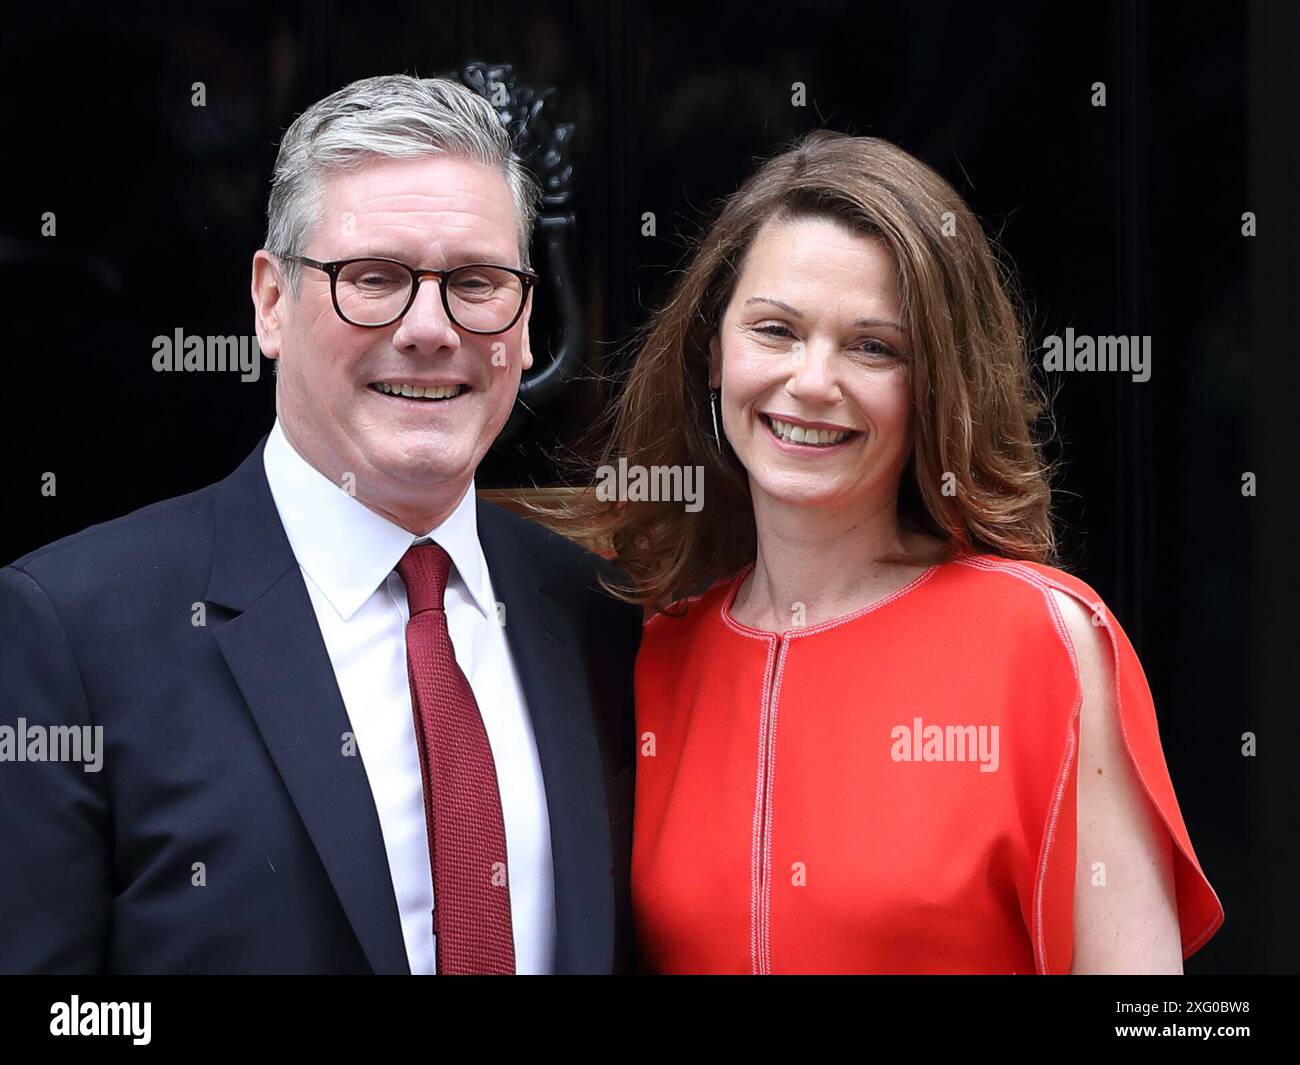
(462, 803)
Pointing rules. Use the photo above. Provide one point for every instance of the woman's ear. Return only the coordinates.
(715, 362)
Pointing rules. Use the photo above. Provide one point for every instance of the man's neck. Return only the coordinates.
(422, 514)
(417, 520)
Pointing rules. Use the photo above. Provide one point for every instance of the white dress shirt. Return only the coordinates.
(347, 554)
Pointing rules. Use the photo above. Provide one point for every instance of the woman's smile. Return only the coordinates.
(795, 436)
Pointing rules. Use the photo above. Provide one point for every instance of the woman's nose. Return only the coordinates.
(812, 373)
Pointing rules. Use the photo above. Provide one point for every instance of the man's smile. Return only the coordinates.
(403, 390)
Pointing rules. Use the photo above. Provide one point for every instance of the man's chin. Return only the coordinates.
(419, 453)
(417, 465)
(416, 471)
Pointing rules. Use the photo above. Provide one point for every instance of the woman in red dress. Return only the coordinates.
(889, 735)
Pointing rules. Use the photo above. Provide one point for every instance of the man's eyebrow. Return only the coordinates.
(473, 255)
(860, 323)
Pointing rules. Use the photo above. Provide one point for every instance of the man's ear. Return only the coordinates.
(525, 343)
(269, 291)
(715, 362)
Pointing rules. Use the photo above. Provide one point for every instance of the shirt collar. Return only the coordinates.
(346, 548)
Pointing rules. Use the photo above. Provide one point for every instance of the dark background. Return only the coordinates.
(1121, 220)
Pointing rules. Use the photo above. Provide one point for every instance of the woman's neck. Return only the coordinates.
(814, 565)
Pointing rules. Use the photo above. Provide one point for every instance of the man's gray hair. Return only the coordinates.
(393, 116)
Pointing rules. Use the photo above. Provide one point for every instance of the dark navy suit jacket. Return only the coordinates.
(223, 745)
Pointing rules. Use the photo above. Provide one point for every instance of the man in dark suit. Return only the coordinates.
(332, 713)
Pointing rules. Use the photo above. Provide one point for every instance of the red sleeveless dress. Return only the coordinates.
(889, 792)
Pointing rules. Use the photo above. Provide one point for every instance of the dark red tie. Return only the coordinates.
(462, 804)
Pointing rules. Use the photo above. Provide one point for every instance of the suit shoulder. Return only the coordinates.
(567, 565)
(157, 537)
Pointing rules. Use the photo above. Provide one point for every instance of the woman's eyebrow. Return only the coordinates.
(860, 323)
(775, 303)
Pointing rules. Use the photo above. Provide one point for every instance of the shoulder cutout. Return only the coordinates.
(1125, 911)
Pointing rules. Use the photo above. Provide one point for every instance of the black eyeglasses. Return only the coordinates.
(481, 298)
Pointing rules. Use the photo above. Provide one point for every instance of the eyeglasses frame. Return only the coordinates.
(418, 274)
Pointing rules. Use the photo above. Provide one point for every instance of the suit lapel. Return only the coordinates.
(274, 648)
(547, 654)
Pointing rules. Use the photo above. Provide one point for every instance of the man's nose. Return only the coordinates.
(426, 325)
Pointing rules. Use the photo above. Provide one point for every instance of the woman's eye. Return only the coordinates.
(773, 330)
(871, 346)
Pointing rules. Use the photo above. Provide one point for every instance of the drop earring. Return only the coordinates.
(713, 410)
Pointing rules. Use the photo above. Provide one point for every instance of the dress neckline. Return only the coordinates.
(811, 630)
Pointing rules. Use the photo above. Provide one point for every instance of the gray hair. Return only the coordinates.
(393, 116)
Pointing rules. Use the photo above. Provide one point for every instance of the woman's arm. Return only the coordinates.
(1125, 910)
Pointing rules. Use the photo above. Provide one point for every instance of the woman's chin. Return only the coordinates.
(807, 494)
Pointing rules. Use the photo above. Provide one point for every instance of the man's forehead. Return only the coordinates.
(392, 207)
(422, 181)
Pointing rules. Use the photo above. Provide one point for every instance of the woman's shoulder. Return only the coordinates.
(1032, 586)
(1041, 605)
(691, 611)
(1048, 607)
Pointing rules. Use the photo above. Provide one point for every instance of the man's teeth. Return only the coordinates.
(797, 434)
(415, 392)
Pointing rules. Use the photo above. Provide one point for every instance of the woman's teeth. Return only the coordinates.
(415, 392)
(797, 434)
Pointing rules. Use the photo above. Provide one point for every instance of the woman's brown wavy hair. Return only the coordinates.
(975, 402)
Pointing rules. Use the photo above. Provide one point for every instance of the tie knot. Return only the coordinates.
(424, 570)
